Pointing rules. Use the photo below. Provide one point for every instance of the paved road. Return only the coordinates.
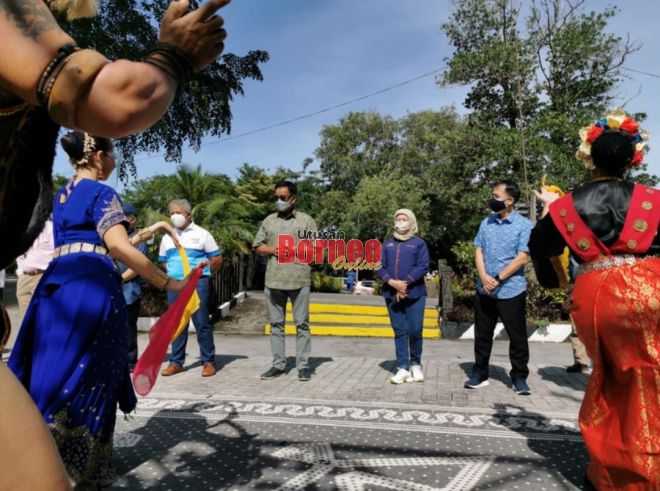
(349, 429)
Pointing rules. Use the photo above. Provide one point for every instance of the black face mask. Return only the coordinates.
(496, 205)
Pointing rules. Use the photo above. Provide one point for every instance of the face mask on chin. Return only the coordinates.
(496, 205)
(178, 220)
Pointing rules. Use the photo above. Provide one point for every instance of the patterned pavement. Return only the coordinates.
(349, 429)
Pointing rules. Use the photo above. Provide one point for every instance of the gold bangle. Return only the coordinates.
(145, 234)
(159, 279)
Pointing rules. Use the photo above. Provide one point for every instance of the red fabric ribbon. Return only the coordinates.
(160, 336)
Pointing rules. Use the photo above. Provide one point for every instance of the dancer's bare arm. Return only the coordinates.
(116, 239)
(28, 456)
(126, 96)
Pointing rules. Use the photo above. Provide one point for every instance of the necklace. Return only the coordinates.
(606, 178)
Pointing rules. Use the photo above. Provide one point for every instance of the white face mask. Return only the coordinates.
(178, 220)
(282, 205)
(401, 226)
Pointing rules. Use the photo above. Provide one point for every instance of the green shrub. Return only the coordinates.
(325, 283)
(543, 305)
(464, 252)
(316, 281)
(154, 301)
(331, 284)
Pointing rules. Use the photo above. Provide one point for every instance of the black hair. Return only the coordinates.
(73, 144)
(612, 151)
(511, 188)
(284, 183)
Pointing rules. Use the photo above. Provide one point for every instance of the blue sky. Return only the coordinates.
(325, 52)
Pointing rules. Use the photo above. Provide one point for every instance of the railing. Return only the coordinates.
(234, 276)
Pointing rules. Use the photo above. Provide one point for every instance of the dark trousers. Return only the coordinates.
(133, 311)
(512, 312)
(407, 318)
(202, 322)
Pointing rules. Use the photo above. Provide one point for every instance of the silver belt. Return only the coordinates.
(79, 247)
(609, 262)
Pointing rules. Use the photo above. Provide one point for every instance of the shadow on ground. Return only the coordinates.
(181, 449)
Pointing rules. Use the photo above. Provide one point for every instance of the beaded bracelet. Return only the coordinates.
(49, 75)
(172, 61)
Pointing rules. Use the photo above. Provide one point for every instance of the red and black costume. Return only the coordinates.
(611, 228)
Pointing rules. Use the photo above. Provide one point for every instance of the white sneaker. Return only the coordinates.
(417, 375)
(402, 376)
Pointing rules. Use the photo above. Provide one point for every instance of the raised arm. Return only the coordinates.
(116, 239)
(123, 97)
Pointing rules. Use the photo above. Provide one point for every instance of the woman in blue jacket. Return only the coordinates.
(405, 261)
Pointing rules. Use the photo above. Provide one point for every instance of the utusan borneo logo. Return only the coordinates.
(317, 247)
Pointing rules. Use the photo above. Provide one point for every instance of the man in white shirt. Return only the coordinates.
(200, 246)
(31, 266)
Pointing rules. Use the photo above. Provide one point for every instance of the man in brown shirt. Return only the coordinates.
(286, 280)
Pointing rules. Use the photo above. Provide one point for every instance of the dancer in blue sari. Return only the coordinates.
(71, 351)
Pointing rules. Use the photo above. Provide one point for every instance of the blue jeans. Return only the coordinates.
(203, 326)
(407, 318)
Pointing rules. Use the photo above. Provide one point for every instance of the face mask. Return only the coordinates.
(282, 205)
(401, 226)
(496, 205)
(178, 220)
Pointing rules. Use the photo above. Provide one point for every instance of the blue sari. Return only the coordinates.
(71, 351)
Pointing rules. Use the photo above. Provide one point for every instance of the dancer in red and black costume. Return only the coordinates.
(611, 224)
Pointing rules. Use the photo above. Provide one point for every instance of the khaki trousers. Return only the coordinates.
(579, 351)
(25, 287)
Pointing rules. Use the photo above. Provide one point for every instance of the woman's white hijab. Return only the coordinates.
(413, 224)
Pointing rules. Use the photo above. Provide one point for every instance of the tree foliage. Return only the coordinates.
(536, 76)
(129, 29)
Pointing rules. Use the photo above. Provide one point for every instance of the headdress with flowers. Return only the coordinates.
(617, 120)
(88, 148)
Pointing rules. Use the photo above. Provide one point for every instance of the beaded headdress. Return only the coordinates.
(617, 120)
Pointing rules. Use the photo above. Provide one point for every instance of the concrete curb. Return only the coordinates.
(145, 323)
(553, 333)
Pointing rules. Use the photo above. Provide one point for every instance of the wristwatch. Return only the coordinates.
(497, 278)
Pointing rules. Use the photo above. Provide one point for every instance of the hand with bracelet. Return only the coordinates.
(148, 232)
(162, 281)
(120, 248)
(81, 88)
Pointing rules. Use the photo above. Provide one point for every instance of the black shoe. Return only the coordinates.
(577, 368)
(272, 373)
(304, 375)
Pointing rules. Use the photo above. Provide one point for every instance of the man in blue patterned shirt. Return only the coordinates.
(501, 256)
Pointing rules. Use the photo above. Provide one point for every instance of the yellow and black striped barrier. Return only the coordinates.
(355, 320)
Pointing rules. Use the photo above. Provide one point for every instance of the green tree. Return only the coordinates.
(360, 145)
(535, 77)
(371, 211)
(128, 29)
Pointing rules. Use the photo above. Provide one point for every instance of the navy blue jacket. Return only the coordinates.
(404, 260)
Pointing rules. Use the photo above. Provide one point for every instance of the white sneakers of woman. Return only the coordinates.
(417, 375)
(402, 376)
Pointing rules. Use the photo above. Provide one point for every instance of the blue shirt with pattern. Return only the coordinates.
(500, 241)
